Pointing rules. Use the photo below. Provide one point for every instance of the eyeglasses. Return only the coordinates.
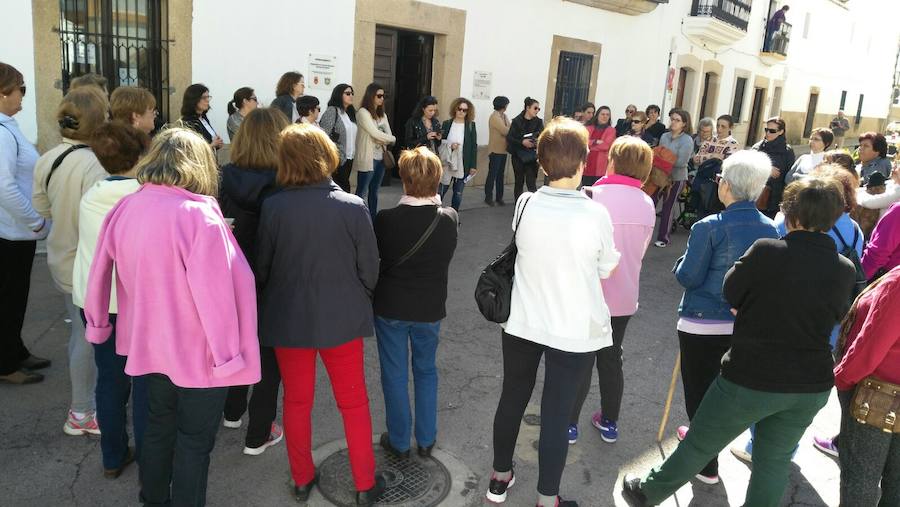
(772, 131)
(22, 89)
(379, 95)
(630, 111)
(205, 97)
(254, 99)
(348, 93)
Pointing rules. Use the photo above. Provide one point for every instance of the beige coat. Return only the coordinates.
(499, 127)
(60, 202)
(369, 138)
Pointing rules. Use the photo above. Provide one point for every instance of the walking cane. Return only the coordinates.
(665, 417)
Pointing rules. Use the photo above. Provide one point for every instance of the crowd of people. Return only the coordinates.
(176, 273)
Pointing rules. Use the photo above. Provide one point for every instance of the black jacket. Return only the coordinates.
(316, 267)
(416, 134)
(518, 128)
(789, 293)
(241, 195)
(782, 156)
(285, 104)
(623, 126)
(656, 130)
(192, 121)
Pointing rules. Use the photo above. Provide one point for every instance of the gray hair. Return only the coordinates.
(746, 172)
(706, 122)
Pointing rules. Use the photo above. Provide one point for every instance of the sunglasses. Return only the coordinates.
(772, 131)
(536, 109)
(637, 122)
(348, 93)
(22, 89)
(379, 95)
(462, 109)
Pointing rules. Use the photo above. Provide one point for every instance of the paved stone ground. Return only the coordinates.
(40, 466)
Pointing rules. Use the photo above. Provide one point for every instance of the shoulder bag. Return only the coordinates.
(876, 403)
(334, 135)
(493, 292)
(415, 248)
(59, 161)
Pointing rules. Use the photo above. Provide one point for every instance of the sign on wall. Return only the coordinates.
(481, 87)
(322, 70)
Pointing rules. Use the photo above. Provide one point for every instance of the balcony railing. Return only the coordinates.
(733, 12)
(780, 40)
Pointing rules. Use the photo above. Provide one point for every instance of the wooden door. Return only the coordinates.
(386, 65)
(755, 115)
(810, 114)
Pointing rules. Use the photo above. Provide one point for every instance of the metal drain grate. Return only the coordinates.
(420, 482)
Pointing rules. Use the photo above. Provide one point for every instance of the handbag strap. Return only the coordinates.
(59, 161)
(337, 118)
(15, 139)
(518, 220)
(422, 239)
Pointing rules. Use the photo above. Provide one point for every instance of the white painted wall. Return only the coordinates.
(17, 49)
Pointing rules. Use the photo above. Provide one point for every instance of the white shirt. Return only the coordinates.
(457, 133)
(565, 243)
(208, 127)
(378, 154)
(351, 128)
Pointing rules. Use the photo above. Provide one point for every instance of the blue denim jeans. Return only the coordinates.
(394, 340)
(496, 170)
(370, 181)
(458, 185)
(113, 389)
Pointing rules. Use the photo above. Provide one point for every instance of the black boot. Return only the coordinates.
(370, 496)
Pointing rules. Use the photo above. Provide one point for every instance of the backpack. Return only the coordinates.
(849, 251)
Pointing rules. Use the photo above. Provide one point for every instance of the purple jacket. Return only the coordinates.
(883, 250)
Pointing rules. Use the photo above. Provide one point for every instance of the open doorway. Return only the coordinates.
(755, 115)
(403, 62)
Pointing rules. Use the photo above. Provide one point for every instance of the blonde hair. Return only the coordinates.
(128, 100)
(255, 145)
(81, 112)
(180, 157)
(306, 156)
(420, 172)
(562, 147)
(470, 114)
(632, 157)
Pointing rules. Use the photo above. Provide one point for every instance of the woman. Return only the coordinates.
(654, 127)
(498, 127)
(873, 156)
(194, 106)
(202, 340)
(678, 141)
(308, 109)
(56, 195)
(565, 246)
(633, 218)
(371, 143)
(459, 150)
(585, 113)
(705, 323)
(600, 138)
(623, 125)
(820, 139)
(290, 87)
(20, 228)
(782, 155)
(883, 251)
(704, 133)
(410, 300)
(117, 146)
(868, 454)
(339, 123)
(313, 227)
(423, 127)
(721, 145)
(240, 106)
(522, 146)
(246, 182)
(777, 374)
(636, 124)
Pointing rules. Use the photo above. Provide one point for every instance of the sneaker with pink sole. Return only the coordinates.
(275, 435)
(84, 426)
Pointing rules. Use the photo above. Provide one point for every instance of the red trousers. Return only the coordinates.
(344, 364)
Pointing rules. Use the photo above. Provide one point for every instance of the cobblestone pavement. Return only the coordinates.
(40, 466)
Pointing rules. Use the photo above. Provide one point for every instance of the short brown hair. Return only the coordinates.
(128, 100)
(255, 145)
(826, 134)
(420, 172)
(118, 146)
(813, 203)
(685, 119)
(879, 143)
(470, 114)
(180, 157)
(562, 147)
(849, 182)
(306, 156)
(89, 79)
(10, 78)
(81, 112)
(632, 157)
(287, 82)
(841, 158)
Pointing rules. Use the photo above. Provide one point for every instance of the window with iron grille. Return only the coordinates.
(573, 81)
(859, 110)
(126, 41)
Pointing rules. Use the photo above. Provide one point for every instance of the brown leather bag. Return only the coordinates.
(876, 403)
(388, 158)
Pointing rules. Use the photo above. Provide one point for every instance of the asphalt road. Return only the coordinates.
(41, 466)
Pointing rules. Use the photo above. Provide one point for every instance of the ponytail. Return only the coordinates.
(528, 102)
(231, 108)
(240, 95)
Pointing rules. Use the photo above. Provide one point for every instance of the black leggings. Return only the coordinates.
(609, 373)
(263, 401)
(342, 175)
(562, 370)
(525, 175)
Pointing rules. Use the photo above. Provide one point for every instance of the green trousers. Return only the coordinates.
(726, 411)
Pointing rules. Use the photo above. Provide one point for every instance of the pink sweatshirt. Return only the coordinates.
(186, 295)
(633, 217)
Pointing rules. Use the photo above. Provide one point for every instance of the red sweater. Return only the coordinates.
(873, 346)
(599, 143)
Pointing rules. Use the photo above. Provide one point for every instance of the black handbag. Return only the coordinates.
(493, 292)
(334, 135)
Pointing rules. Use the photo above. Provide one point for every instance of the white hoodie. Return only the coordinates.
(18, 219)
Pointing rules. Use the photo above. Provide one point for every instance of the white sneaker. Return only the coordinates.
(87, 425)
(231, 424)
(660, 244)
(275, 436)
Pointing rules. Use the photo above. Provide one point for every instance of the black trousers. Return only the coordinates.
(341, 175)
(525, 175)
(180, 435)
(562, 370)
(16, 258)
(609, 373)
(701, 361)
(263, 401)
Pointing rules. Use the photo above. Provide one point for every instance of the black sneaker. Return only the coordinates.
(631, 491)
(370, 496)
(489, 202)
(385, 443)
(496, 492)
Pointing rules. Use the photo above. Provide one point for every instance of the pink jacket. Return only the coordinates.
(599, 143)
(633, 217)
(883, 250)
(187, 297)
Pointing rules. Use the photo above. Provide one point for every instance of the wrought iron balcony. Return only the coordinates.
(716, 24)
(775, 49)
(733, 12)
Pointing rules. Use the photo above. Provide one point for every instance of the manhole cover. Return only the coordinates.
(420, 482)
